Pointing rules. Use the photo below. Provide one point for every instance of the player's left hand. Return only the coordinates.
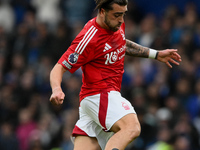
(169, 56)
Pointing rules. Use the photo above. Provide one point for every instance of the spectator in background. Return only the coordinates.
(69, 119)
(193, 102)
(20, 40)
(73, 16)
(4, 48)
(25, 127)
(8, 140)
(186, 131)
(8, 106)
(62, 39)
(20, 8)
(148, 30)
(181, 143)
(6, 12)
(173, 104)
(48, 12)
(163, 136)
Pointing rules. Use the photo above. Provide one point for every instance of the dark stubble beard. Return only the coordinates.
(107, 22)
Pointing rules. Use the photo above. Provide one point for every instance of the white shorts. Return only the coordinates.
(98, 113)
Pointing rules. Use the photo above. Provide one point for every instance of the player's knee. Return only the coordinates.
(134, 132)
(137, 131)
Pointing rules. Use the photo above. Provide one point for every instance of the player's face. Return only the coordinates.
(114, 18)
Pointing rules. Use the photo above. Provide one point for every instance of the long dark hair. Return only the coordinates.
(107, 4)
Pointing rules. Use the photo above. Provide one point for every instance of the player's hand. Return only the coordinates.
(169, 56)
(57, 96)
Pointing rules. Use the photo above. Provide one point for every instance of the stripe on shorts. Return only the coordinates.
(78, 131)
(103, 109)
(86, 39)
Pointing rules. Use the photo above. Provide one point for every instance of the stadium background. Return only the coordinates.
(34, 34)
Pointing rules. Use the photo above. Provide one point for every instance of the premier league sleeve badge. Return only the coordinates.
(73, 58)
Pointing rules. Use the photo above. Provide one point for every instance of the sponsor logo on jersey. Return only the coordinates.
(112, 57)
(73, 58)
(67, 64)
(107, 47)
(123, 35)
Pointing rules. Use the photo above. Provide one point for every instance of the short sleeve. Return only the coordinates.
(80, 51)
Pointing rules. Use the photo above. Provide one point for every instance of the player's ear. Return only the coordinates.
(102, 12)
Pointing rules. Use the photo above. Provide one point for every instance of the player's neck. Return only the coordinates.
(100, 22)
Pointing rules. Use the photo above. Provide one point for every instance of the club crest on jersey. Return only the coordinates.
(73, 58)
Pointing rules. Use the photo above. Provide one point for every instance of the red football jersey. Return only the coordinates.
(100, 54)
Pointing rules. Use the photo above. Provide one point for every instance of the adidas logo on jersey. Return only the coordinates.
(107, 47)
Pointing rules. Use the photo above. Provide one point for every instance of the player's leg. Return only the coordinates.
(126, 130)
(85, 130)
(85, 142)
(121, 119)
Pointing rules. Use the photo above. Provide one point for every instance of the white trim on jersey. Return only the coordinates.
(86, 39)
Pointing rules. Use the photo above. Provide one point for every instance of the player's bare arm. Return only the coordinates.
(166, 56)
(56, 74)
(134, 49)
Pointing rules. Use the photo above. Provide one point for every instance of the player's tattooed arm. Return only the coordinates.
(134, 49)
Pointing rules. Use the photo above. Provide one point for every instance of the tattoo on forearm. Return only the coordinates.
(133, 49)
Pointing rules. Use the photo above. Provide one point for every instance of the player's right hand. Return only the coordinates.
(57, 97)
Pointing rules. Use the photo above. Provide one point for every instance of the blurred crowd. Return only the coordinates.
(35, 33)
